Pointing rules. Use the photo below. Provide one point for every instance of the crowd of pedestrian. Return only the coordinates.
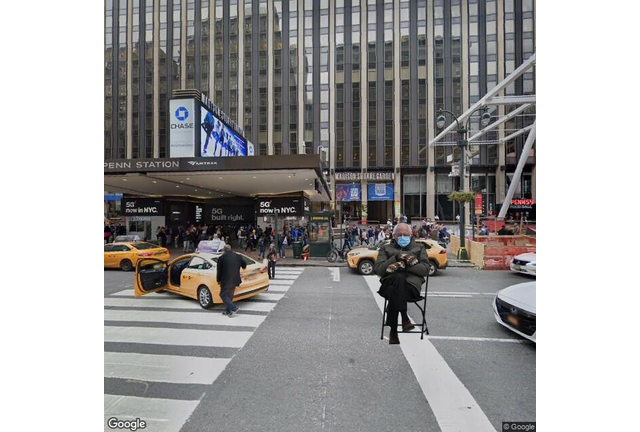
(112, 231)
(252, 238)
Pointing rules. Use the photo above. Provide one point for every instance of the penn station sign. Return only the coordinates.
(133, 165)
(165, 165)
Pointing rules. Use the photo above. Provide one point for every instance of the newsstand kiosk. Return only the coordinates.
(319, 234)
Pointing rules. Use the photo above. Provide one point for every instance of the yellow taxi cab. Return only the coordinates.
(125, 255)
(194, 276)
(364, 258)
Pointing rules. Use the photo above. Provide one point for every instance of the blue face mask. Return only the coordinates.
(404, 241)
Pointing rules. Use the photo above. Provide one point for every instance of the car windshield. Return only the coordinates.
(142, 246)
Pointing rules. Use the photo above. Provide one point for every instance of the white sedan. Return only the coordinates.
(515, 308)
(524, 263)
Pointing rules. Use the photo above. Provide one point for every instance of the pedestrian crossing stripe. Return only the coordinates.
(183, 318)
(163, 368)
(287, 272)
(169, 415)
(278, 281)
(171, 336)
(161, 415)
(296, 269)
(179, 303)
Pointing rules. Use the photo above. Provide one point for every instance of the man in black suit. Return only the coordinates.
(228, 276)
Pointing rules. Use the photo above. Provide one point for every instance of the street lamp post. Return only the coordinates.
(462, 144)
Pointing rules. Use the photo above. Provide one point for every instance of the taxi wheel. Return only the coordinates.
(204, 297)
(433, 268)
(365, 267)
(125, 265)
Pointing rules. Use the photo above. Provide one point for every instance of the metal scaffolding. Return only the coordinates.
(497, 97)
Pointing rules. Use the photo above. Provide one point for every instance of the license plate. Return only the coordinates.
(512, 320)
(517, 267)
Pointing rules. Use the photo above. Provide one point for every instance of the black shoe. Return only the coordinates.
(407, 325)
(227, 313)
(393, 339)
(233, 311)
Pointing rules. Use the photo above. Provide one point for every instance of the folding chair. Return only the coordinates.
(423, 309)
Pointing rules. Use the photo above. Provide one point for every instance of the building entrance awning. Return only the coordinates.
(210, 178)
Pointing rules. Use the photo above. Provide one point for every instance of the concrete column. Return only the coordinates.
(397, 196)
(183, 45)
(270, 77)
(500, 175)
(431, 132)
(212, 53)
(156, 78)
(364, 87)
(364, 102)
(240, 116)
(332, 101)
(129, 79)
(301, 77)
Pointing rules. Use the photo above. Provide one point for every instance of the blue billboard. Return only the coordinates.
(348, 192)
(380, 192)
(217, 139)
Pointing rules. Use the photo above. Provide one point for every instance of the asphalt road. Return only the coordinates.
(308, 356)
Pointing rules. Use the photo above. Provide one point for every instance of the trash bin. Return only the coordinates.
(297, 249)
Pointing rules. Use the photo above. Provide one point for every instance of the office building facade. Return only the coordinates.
(360, 81)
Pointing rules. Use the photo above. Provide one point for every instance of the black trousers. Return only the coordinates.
(397, 291)
(271, 266)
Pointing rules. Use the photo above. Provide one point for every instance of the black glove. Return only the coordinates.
(396, 266)
(409, 259)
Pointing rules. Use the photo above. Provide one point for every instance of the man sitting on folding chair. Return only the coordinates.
(402, 266)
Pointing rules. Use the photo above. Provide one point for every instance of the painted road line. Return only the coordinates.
(287, 272)
(270, 295)
(281, 282)
(453, 406)
(458, 292)
(279, 288)
(170, 336)
(285, 277)
(144, 302)
(161, 415)
(297, 269)
(450, 296)
(477, 339)
(213, 318)
(163, 368)
(335, 273)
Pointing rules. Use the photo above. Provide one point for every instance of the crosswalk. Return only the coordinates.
(148, 373)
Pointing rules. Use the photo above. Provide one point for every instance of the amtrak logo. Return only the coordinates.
(182, 113)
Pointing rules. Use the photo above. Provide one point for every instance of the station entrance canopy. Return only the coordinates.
(210, 178)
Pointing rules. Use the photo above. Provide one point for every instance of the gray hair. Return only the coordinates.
(395, 230)
(227, 248)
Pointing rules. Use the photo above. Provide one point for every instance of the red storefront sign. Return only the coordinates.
(478, 205)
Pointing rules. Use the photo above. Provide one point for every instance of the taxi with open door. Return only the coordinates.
(194, 276)
(125, 255)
